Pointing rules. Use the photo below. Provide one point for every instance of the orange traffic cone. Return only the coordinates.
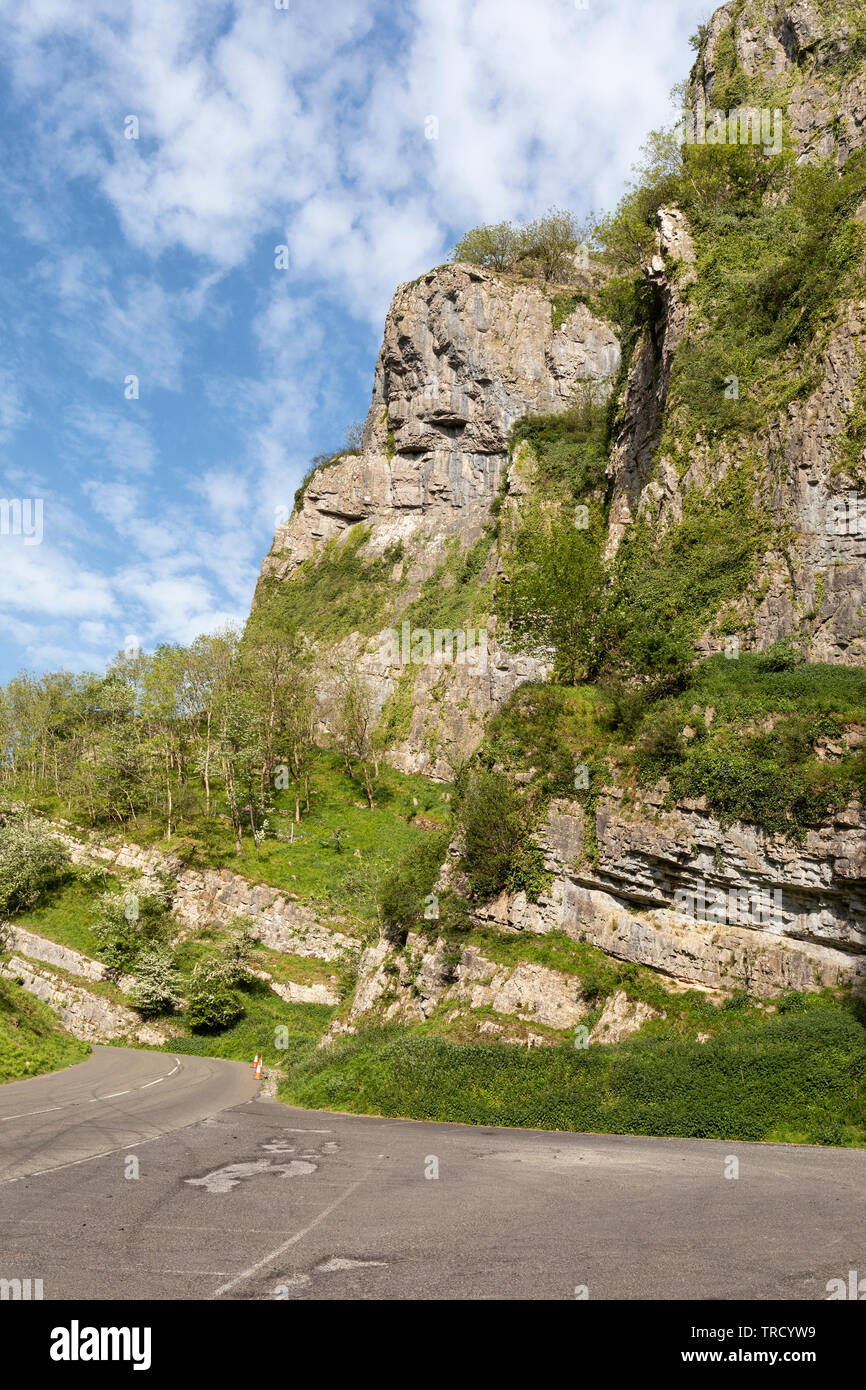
(255, 1061)
(258, 1068)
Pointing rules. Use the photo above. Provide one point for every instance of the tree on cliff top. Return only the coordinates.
(548, 245)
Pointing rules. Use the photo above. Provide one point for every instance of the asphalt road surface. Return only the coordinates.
(142, 1175)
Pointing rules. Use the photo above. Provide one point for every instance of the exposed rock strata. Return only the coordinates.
(797, 49)
(718, 908)
(89, 1016)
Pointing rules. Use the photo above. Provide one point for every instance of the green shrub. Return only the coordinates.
(212, 1004)
(335, 592)
(404, 891)
(155, 990)
(32, 861)
(130, 926)
(495, 246)
(668, 588)
(556, 589)
(498, 851)
(570, 447)
(547, 245)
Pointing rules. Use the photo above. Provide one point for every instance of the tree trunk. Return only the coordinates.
(207, 770)
(366, 772)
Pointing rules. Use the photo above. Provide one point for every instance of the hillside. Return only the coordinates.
(533, 791)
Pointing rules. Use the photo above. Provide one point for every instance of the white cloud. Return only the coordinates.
(117, 440)
(257, 127)
(249, 119)
(43, 579)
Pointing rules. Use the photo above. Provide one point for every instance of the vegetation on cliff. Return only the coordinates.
(267, 748)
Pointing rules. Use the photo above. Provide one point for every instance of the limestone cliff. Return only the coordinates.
(805, 56)
(466, 353)
(804, 63)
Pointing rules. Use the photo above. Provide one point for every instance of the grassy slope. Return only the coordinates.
(256, 1032)
(791, 1076)
(31, 1039)
(744, 736)
(66, 915)
(797, 1078)
(313, 868)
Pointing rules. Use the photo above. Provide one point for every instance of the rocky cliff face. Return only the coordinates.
(718, 908)
(808, 62)
(813, 577)
(806, 56)
(465, 354)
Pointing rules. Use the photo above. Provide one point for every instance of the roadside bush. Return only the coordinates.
(212, 1003)
(128, 926)
(797, 1078)
(236, 956)
(156, 985)
(31, 862)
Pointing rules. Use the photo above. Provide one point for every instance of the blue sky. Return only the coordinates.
(154, 257)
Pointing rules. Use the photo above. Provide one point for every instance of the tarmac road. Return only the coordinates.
(234, 1197)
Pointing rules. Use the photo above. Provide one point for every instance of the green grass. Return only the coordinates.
(312, 868)
(747, 769)
(563, 305)
(255, 1032)
(687, 1012)
(668, 588)
(752, 748)
(31, 1038)
(801, 1076)
(66, 915)
(570, 447)
(455, 594)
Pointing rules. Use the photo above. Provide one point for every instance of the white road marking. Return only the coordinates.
(89, 1100)
(76, 1163)
(339, 1262)
(293, 1240)
(24, 1114)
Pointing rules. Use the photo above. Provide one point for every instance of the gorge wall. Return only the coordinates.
(466, 353)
